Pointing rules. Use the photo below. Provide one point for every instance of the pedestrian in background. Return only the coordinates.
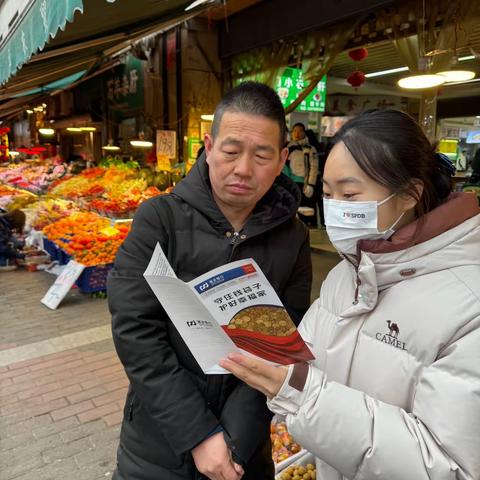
(302, 168)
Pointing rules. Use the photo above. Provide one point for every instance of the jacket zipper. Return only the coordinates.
(235, 238)
(358, 281)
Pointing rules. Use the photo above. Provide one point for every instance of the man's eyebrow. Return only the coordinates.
(231, 141)
(265, 148)
(344, 180)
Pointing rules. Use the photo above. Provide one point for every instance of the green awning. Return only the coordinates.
(39, 24)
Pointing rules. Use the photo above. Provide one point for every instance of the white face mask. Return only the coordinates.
(349, 222)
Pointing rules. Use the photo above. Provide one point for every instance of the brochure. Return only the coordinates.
(231, 308)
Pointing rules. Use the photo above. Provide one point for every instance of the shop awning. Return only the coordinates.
(41, 22)
(103, 30)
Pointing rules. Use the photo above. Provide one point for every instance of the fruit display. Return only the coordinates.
(88, 238)
(44, 212)
(283, 444)
(35, 178)
(12, 198)
(114, 192)
(299, 472)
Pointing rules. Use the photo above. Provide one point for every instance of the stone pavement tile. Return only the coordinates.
(71, 410)
(21, 423)
(82, 430)
(98, 412)
(7, 443)
(114, 418)
(103, 436)
(25, 465)
(95, 454)
(113, 396)
(62, 426)
(66, 450)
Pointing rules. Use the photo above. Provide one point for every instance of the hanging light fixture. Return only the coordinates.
(141, 142)
(46, 131)
(419, 82)
(457, 75)
(74, 129)
(110, 147)
(207, 117)
(88, 129)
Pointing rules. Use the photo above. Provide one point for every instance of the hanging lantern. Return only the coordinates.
(358, 54)
(356, 79)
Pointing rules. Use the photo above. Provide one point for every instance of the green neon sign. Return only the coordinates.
(291, 83)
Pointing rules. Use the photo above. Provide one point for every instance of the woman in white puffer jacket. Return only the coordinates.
(394, 391)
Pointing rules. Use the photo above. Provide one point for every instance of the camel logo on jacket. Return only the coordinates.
(391, 338)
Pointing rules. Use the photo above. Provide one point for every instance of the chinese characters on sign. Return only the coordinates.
(291, 83)
(166, 143)
(118, 87)
(239, 296)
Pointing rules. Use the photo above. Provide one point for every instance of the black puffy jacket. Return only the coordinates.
(171, 405)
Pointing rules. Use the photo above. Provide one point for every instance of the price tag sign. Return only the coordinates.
(64, 282)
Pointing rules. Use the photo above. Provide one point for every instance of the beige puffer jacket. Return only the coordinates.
(395, 389)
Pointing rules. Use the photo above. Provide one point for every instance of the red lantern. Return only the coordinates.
(358, 54)
(356, 79)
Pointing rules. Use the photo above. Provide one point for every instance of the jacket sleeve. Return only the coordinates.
(313, 167)
(246, 433)
(139, 327)
(364, 438)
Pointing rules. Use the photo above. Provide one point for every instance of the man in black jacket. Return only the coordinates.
(179, 423)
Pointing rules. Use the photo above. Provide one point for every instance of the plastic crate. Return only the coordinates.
(50, 248)
(94, 279)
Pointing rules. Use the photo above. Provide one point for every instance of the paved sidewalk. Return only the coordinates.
(62, 387)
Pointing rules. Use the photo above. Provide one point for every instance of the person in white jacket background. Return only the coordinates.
(394, 391)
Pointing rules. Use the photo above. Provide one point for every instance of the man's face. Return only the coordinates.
(298, 133)
(244, 159)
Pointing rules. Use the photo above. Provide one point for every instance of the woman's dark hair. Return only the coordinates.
(391, 148)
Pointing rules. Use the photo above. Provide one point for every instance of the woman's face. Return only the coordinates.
(344, 180)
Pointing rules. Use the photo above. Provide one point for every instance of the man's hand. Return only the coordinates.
(213, 459)
(308, 191)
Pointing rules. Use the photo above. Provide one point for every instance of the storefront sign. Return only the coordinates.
(291, 84)
(64, 282)
(473, 136)
(125, 86)
(355, 104)
(167, 143)
(194, 145)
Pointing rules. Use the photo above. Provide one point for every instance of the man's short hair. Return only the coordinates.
(299, 124)
(252, 98)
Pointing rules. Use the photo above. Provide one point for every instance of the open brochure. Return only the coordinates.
(231, 308)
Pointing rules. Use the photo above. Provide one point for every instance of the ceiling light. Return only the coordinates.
(386, 72)
(29, 112)
(111, 147)
(13, 153)
(207, 118)
(74, 129)
(197, 3)
(421, 81)
(468, 57)
(88, 129)
(457, 75)
(46, 131)
(141, 143)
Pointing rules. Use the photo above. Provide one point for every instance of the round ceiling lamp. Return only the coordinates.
(457, 75)
(418, 82)
(110, 147)
(46, 131)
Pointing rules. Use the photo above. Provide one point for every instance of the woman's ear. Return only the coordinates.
(413, 196)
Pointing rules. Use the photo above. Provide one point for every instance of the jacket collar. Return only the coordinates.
(277, 205)
(449, 237)
(458, 208)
